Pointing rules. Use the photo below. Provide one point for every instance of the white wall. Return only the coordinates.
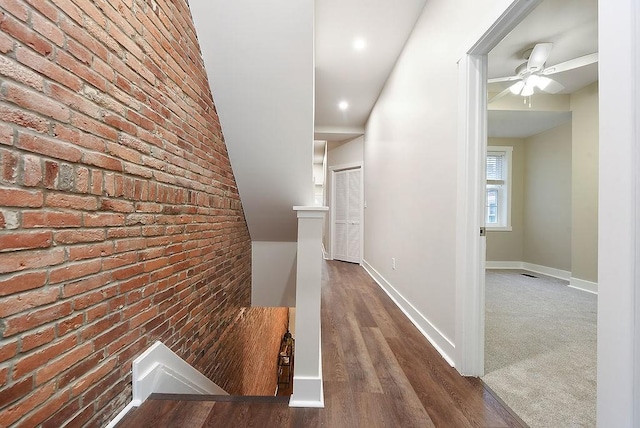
(273, 272)
(547, 199)
(259, 59)
(584, 192)
(411, 162)
(339, 153)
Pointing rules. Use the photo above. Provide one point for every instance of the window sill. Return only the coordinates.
(499, 229)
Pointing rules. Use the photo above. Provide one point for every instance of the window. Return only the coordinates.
(498, 195)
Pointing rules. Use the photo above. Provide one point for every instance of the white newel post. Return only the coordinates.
(307, 371)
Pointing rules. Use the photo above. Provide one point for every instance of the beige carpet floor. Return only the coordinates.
(540, 348)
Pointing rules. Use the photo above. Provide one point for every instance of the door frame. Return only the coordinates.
(333, 170)
(472, 148)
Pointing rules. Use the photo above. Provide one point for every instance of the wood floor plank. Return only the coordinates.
(379, 371)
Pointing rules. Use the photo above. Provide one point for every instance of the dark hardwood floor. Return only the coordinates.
(379, 371)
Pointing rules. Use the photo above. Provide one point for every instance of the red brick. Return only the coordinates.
(6, 134)
(69, 324)
(48, 68)
(117, 205)
(100, 326)
(96, 182)
(92, 126)
(74, 271)
(32, 171)
(81, 419)
(14, 262)
(89, 299)
(49, 408)
(8, 350)
(10, 197)
(78, 138)
(37, 338)
(85, 285)
(19, 73)
(22, 282)
(14, 412)
(6, 43)
(24, 34)
(128, 272)
(47, 29)
(36, 102)
(102, 219)
(9, 166)
(95, 377)
(27, 301)
(22, 118)
(73, 11)
(34, 360)
(36, 318)
(121, 124)
(110, 335)
(51, 169)
(51, 219)
(82, 180)
(103, 161)
(81, 70)
(74, 101)
(65, 200)
(13, 241)
(62, 415)
(90, 251)
(48, 146)
(45, 8)
(53, 368)
(15, 391)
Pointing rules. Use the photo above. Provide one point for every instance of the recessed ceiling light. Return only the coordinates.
(359, 44)
(343, 105)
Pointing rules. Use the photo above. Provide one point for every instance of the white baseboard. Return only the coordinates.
(439, 341)
(325, 254)
(121, 415)
(581, 284)
(159, 369)
(307, 392)
(503, 265)
(543, 270)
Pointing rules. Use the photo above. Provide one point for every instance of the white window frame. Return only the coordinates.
(506, 211)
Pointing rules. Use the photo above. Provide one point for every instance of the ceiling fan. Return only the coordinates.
(533, 73)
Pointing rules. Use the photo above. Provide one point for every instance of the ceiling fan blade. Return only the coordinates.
(571, 64)
(500, 95)
(502, 79)
(539, 56)
(549, 85)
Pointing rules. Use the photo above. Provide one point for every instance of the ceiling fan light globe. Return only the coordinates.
(533, 80)
(516, 88)
(527, 91)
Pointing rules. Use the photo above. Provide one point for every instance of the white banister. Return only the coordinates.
(307, 371)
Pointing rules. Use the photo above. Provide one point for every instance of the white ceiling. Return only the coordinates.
(572, 27)
(522, 123)
(356, 76)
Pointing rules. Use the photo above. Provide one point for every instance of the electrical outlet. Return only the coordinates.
(393, 263)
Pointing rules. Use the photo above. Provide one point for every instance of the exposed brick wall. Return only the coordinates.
(120, 220)
(245, 358)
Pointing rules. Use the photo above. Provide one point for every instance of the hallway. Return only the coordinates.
(379, 371)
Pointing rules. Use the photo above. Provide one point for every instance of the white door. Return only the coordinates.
(347, 215)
